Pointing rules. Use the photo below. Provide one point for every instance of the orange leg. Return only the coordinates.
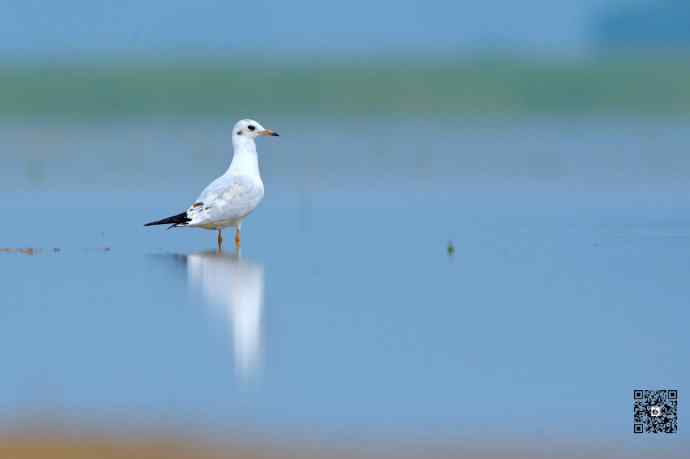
(237, 238)
(220, 240)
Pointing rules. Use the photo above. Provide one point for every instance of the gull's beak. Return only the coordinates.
(268, 133)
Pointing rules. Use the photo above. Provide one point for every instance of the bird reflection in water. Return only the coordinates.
(234, 288)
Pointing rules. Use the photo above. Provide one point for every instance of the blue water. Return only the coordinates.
(344, 316)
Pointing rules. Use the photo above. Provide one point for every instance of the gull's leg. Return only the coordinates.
(220, 240)
(237, 238)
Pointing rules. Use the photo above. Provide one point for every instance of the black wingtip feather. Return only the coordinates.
(179, 219)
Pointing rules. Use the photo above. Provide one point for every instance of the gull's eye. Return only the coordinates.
(251, 127)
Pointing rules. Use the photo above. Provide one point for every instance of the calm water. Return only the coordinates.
(344, 316)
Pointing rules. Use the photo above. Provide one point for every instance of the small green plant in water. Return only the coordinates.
(450, 248)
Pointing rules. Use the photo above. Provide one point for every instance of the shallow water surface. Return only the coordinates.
(345, 316)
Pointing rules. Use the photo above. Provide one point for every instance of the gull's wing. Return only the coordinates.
(227, 199)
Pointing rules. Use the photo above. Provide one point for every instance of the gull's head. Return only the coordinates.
(250, 129)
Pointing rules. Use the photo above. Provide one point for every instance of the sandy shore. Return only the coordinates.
(46, 447)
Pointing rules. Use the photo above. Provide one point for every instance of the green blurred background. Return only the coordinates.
(84, 59)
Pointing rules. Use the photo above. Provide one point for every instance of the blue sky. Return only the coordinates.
(77, 28)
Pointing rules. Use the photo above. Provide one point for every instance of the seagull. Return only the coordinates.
(228, 200)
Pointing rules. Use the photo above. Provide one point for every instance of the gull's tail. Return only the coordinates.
(175, 220)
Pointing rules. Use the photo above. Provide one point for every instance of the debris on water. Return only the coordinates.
(36, 251)
(98, 249)
(451, 248)
(24, 251)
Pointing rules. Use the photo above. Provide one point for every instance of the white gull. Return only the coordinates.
(228, 200)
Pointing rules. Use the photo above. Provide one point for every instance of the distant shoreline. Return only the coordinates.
(626, 86)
